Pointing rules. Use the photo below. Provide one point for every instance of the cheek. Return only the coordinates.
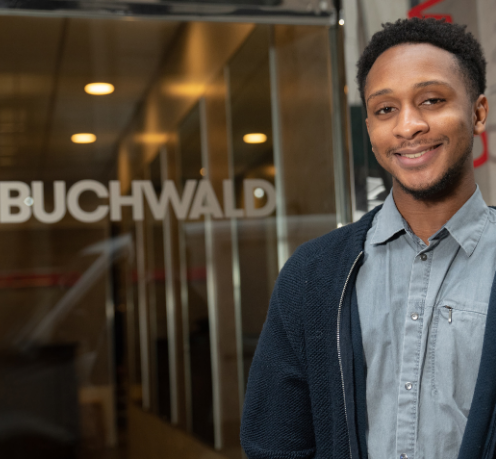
(454, 125)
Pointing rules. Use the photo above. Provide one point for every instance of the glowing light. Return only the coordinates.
(341, 22)
(29, 201)
(203, 172)
(255, 138)
(259, 192)
(151, 137)
(83, 137)
(183, 89)
(99, 89)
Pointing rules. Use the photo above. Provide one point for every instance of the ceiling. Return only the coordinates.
(45, 64)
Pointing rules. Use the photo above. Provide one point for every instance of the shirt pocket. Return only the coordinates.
(455, 352)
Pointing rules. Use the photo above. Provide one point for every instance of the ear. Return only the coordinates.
(480, 111)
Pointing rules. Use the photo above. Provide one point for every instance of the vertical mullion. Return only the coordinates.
(211, 289)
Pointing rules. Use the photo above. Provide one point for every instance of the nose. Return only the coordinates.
(409, 123)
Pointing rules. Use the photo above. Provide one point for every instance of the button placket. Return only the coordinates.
(410, 367)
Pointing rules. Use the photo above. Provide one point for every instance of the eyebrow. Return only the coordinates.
(422, 84)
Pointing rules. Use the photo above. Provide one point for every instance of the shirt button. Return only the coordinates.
(403, 456)
(408, 386)
(415, 316)
(423, 256)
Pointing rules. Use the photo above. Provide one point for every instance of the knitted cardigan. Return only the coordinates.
(306, 389)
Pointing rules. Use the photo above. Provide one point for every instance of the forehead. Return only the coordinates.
(405, 65)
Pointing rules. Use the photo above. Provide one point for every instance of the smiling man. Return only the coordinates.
(379, 340)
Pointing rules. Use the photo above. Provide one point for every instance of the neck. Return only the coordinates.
(426, 217)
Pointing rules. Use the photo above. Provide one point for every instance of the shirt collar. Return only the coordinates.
(466, 226)
(389, 222)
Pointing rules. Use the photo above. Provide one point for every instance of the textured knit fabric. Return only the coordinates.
(297, 390)
(422, 367)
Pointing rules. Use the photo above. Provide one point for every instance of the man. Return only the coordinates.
(379, 340)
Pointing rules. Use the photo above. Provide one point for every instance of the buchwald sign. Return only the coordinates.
(19, 201)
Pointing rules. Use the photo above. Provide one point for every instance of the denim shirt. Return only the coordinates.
(422, 312)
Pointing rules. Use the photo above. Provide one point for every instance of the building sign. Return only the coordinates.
(19, 201)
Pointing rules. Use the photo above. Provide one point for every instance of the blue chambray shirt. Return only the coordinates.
(422, 313)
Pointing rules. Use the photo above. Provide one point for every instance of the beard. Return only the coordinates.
(446, 184)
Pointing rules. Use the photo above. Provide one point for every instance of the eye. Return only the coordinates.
(433, 101)
(384, 111)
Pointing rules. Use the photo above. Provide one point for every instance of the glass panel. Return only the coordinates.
(251, 113)
(137, 268)
(156, 292)
(194, 259)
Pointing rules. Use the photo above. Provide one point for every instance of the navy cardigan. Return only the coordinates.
(306, 388)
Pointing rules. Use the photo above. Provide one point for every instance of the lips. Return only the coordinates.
(417, 157)
(413, 154)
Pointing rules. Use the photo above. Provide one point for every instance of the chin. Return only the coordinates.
(435, 189)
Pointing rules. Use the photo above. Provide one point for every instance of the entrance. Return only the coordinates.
(155, 177)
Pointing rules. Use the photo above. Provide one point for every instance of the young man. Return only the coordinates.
(379, 340)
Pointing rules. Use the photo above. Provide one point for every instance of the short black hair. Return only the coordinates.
(450, 37)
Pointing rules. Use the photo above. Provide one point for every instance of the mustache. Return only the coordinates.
(427, 142)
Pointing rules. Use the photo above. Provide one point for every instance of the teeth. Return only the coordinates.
(415, 155)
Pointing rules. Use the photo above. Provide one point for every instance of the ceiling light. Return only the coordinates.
(99, 89)
(83, 137)
(203, 172)
(255, 138)
(341, 22)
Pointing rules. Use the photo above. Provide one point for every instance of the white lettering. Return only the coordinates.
(205, 202)
(169, 194)
(229, 202)
(7, 202)
(197, 199)
(117, 201)
(251, 210)
(73, 201)
(58, 202)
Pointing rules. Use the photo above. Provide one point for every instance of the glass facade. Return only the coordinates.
(139, 257)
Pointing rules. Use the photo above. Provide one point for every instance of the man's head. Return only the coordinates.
(422, 81)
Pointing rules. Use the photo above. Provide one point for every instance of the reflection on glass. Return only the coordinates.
(156, 293)
(257, 248)
(194, 264)
(98, 340)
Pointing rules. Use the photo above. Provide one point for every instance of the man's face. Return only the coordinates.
(420, 118)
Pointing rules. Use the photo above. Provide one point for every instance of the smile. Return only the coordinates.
(417, 154)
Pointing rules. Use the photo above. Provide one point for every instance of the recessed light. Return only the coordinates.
(83, 137)
(341, 22)
(99, 89)
(255, 137)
